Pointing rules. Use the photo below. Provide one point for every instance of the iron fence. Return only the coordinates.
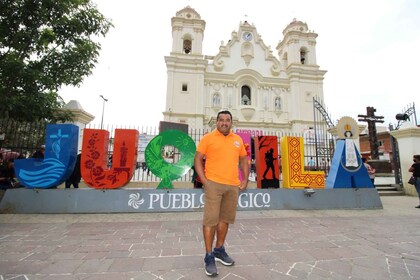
(20, 139)
(318, 145)
(25, 138)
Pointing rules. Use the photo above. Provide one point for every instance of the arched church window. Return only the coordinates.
(245, 95)
(303, 56)
(187, 46)
(285, 60)
(277, 104)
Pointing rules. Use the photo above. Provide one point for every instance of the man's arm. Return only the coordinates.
(243, 163)
(199, 167)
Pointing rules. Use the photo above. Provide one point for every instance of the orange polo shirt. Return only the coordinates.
(222, 156)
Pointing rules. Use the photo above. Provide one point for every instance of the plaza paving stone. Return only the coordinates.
(271, 244)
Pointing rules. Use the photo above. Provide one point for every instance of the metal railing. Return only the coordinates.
(25, 138)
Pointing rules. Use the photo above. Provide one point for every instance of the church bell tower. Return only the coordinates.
(186, 67)
(297, 53)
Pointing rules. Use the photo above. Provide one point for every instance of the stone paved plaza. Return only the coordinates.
(276, 244)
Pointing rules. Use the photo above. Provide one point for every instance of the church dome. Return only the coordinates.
(188, 13)
(73, 105)
(296, 25)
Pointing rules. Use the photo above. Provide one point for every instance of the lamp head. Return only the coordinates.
(402, 117)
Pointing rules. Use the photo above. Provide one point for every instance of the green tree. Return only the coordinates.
(45, 44)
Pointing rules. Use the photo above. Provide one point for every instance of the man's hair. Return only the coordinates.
(417, 157)
(224, 112)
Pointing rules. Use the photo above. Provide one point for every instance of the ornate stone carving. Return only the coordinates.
(275, 69)
(247, 52)
(218, 65)
(247, 112)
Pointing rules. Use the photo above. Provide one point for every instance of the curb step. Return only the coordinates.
(389, 190)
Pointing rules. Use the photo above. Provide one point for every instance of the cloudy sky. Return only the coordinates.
(369, 48)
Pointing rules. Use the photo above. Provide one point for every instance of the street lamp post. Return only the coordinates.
(103, 109)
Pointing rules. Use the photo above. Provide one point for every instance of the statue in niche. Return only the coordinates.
(245, 100)
(216, 100)
(277, 104)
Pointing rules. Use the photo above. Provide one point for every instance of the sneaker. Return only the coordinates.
(210, 265)
(418, 206)
(221, 256)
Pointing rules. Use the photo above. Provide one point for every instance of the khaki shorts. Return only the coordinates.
(220, 203)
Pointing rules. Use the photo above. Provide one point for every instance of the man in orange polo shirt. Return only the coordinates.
(223, 150)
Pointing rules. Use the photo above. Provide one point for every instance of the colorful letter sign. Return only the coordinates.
(347, 169)
(246, 138)
(267, 161)
(294, 175)
(94, 162)
(59, 159)
(165, 170)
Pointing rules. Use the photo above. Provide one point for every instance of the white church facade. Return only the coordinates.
(262, 90)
